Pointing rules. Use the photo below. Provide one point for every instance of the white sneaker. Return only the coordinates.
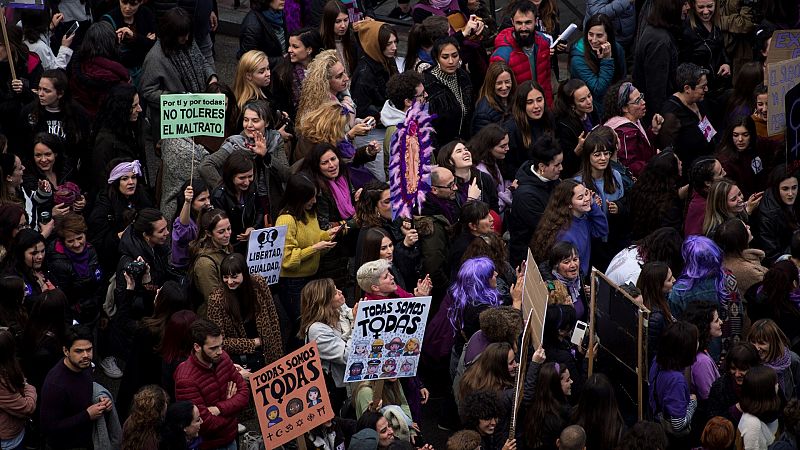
(109, 366)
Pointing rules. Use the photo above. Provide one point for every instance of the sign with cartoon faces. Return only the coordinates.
(387, 338)
(290, 396)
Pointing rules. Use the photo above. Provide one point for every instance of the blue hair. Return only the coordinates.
(472, 287)
(703, 258)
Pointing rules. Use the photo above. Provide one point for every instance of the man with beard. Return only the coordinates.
(210, 381)
(67, 408)
(524, 49)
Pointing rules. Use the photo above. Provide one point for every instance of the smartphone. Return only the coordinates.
(370, 121)
(73, 29)
(579, 332)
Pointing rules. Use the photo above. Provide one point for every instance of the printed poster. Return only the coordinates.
(265, 252)
(290, 396)
(387, 338)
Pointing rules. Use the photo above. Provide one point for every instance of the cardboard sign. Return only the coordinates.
(290, 396)
(189, 115)
(387, 338)
(781, 77)
(265, 252)
(534, 300)
(785, 44)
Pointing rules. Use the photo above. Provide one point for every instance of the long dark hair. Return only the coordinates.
(179, 415)
(311, 166)
(115, 113)
(11, 377)
(557, 218)
(72, 129)
(12, 292)
(237, 163)
(56, 145)
(481, 146)
(677, 347)
(174, 24)
(564, 101)
(241, 304)
(100, 41)
(779, 282)
(597, 412)
(651, 283)
(758, 396)
(176, 344)
(521, 117)
(727, 149)
(330, 12)
(25, 239)
(48, 316)
(654, 193)
(700, 314)
(171, 298)
(371, 246)
(299, 191)
(548, 400)
(600, 139)
(588, 54)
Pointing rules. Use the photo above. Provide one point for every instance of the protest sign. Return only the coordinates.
(534, 299)
(620, 326)
(785, 44)
(290, 396)
(387, 338)
(189, 115)
(265, 252)
(781, 77)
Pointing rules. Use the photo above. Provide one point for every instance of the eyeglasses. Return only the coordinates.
(450, 185)
(638, 100)
(422, 98)
(23, 226)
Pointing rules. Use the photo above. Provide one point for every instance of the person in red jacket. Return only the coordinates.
(210, 381)
(517, 45)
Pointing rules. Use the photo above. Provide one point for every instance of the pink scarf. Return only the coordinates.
(340, 190)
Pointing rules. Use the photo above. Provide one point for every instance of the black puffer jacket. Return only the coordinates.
(773, 225)
(369, 87)
(242, 214)
(108, 217)
(527, 208)
(86, 294)
(257, 34)
(722, 399)
(450, 123)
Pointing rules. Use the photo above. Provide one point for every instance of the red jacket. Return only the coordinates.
(507, 50)
(207, 386)
(635, 144)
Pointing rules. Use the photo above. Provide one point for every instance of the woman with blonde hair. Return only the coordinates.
(327, 124)
(252, 79)
(726, 201)
(141, 429)
(326, 320)
(326, 80)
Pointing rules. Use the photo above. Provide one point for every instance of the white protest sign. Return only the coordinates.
(387, 338)
(265, 252)
(189, 115)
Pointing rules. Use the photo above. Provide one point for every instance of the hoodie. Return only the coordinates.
(635, 148)
(593, 224)
(368, 86)
(366, 439)
(390, 118)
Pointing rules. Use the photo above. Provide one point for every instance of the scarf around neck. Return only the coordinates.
(189, 63)
(451, 81)
(574, 288)
(80, 261)
(341, 195)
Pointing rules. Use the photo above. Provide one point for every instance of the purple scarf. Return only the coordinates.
(341, 196)
(80, 261)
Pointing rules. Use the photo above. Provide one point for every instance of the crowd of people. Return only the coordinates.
(648, 159)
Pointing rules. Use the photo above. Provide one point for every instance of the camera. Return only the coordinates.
(45, 217)
(135, 269)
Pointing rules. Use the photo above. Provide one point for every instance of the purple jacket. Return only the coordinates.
(671, 390)
(182, 235)
(593, 224)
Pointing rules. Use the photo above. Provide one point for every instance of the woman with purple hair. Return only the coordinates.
(473, 291)
(704, 279)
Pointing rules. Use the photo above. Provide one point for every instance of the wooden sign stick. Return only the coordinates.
(9, 53)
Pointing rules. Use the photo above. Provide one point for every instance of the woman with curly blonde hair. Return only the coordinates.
(252, 78)
(327, 125)
(572, 215)
(140, 431)
(326, 81)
